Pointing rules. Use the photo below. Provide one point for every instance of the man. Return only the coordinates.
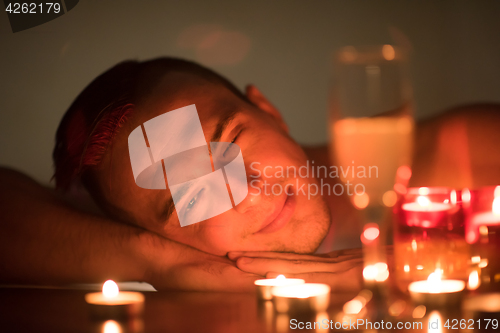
(44, 240)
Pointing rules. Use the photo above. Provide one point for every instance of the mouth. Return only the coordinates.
(281, 217)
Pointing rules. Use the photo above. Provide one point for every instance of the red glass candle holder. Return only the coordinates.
(482, 230)
(429, 234)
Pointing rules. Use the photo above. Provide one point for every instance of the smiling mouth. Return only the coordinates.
(282, 217)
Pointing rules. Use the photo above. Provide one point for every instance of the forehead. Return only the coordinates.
(177, 89)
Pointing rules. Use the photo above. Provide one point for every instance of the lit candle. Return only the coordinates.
(436, 291)
(489, 218)
(484, 220)
(111, 303)
(307, 297)
(264, 286)
(424, 213)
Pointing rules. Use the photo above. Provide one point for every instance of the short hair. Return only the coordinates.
(94, 118)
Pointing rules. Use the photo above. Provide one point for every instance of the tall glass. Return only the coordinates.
(371, 139)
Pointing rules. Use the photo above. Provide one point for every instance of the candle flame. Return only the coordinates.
(111, 326)
(434, 281)
(473, 282)
(280, 277)
(495, 207)
(434, 317)
(496, 193)
(110, 289)
(453, 197)
(423, 201)
(466, 196)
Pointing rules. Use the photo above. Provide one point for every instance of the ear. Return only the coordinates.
(259, 100)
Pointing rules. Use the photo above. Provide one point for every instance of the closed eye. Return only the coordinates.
(229, 145)
(193, 201)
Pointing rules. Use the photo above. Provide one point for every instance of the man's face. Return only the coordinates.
(268, 219)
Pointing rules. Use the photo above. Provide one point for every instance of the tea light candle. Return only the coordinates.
(264, 286)
(307, 297)
(435, 291)
(111, 303)
(479, 220)
(424, 213)
(489, 218)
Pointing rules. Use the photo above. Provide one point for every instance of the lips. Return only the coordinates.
(280, 217)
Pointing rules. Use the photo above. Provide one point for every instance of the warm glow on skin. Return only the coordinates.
(264, 139)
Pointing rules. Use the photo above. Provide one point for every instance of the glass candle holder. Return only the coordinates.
(482, 228)
(429, 235)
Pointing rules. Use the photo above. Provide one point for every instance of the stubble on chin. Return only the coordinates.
(306, 233)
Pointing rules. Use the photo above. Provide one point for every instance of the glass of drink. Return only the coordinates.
(371, 130)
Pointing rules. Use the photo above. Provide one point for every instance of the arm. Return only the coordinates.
(44, 241)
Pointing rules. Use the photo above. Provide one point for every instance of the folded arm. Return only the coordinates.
(45, 241)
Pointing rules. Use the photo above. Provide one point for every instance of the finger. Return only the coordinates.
(289, 256)
(265, 254)
(264, 265)
(357, 251)
(349, 280)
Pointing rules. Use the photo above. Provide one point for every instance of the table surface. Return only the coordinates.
(64, 310)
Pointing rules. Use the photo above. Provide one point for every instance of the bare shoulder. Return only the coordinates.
(459, 148)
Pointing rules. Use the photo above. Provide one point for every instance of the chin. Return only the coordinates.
(311, 227)
(306, 234)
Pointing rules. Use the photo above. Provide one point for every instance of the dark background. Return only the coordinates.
(284, 47)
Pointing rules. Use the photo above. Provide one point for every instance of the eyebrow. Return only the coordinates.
(219, 129)
(223, 123)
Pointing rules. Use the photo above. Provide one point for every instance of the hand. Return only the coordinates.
(342, 270)
(172, 265)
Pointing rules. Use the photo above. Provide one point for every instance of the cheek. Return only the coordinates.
(221, 233)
